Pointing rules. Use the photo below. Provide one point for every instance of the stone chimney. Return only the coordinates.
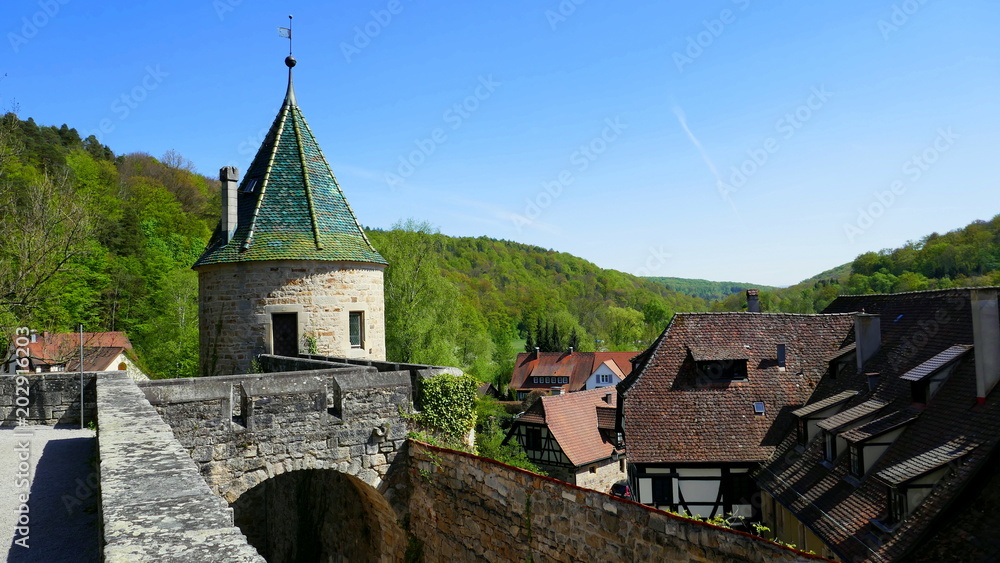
(868, 336)
(230, 178)
(607, 398)
(986, 338)
(753, 301)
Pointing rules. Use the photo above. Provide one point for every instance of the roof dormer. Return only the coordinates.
(927, 378)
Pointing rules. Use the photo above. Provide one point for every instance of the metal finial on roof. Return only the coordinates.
(289, 60)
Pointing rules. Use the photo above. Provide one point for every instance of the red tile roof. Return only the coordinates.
(63, 349)
(951, 429)
(576, 366)
(573, 421)
(672, 414)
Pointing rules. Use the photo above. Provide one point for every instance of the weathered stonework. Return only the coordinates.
(154, 504)
(50, 398)
(606, 473)
(466, 508)
(237, 300)
(241, 430)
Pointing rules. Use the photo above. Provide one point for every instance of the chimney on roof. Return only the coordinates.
(986, 339)
(536, 350)
(230, 178)
(607, 398)
(34, 336)
(868, 336)
(570, 349)
(753, 301)
(45, 334)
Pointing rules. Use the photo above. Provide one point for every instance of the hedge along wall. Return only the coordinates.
(467, 508)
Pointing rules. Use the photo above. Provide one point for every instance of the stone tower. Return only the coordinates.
(289, 267)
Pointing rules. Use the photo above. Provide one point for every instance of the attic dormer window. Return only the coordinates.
(927, 378)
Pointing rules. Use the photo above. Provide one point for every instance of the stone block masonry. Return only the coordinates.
(242, 430)
(154, 504)
(51, 398)
(237, 301)
(467, 508)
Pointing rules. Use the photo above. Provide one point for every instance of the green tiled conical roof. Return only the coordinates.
(289, 205)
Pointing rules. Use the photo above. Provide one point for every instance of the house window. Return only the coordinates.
(662, 491)
(857, 460)
(723, 371)
(605, 378)
(357, 325)
(830, 450)
(802, 431)
(897, 505)
(532, 438)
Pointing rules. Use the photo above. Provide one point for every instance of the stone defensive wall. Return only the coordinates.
(155, 506)
(244, 429)
(467, 508)
(51, 398)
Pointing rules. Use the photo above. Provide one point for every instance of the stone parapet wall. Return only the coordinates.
(51, 398)
(467, 508)
(236, 302)
(154, 504)
(242, 430)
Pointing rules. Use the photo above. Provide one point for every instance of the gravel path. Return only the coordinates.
(62, 504)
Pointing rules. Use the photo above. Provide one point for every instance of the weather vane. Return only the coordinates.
(287, 33)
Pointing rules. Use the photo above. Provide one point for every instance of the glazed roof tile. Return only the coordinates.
(289, 204)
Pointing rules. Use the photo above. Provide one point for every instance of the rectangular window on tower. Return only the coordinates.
(356, 321)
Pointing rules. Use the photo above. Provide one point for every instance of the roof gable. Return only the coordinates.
(574, 421)
(674, 413)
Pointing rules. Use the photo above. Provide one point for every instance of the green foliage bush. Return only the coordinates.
(448, 406)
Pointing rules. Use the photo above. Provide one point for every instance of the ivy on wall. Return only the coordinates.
(448, 406)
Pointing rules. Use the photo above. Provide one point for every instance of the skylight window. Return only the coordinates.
(251, 185)
(758, 408)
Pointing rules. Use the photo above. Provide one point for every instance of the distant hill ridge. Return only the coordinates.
(706, 289)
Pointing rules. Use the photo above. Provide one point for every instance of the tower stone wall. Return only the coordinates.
(239, 300)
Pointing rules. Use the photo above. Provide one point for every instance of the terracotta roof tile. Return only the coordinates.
(824, 404)
(673, 413)
(916, 327)
(577, 366)
(573, 421)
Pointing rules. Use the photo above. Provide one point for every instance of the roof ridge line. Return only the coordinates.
(305, 174)
(276, 127)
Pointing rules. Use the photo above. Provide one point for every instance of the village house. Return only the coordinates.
(572, 437)
(563, 372)
(894, 455)
(710, 400)
(54, 352)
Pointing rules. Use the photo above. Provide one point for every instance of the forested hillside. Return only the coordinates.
(464, 301)
(708, 290)
(107, 241)
(965, 257)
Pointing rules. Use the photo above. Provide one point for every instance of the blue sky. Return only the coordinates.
(729, 140)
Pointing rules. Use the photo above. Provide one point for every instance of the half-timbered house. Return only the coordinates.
(573, 438)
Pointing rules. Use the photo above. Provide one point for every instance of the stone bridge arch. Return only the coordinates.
(319, 515)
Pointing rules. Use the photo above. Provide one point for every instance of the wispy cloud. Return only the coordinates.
(704, 156)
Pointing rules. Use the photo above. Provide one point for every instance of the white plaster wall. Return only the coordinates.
(593, 382)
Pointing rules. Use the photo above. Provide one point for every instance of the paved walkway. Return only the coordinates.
(61, 485)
